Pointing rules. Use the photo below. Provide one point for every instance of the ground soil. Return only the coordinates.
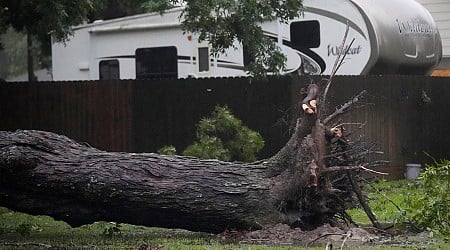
(282, 234)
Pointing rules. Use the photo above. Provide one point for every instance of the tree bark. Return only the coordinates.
(46, 173)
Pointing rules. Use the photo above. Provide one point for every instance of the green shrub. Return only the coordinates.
(432, 209)
(222, 136)
(208, 147)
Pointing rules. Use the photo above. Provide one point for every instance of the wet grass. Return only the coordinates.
(388, 200)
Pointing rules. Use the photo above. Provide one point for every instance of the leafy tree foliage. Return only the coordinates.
(159, 5)
(221, 22)
(222, 136)
(38, 19)
(108, 9)
(432, 210)
(43, 17)
(13, 57)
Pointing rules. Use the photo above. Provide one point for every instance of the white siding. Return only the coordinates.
(440, 10)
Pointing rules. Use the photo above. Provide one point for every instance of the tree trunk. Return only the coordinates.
(30, 61)
(45, 173)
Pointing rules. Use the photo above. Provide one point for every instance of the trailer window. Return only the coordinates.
(109, 70)
(203, 59)
(305, 34)
(156, 63)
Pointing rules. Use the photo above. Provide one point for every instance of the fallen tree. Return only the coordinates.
(310, 181)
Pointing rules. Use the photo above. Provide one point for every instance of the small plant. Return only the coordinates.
(111, 229)
(431, 210)
(3, 228)
(167, 150)
(222, 136)
(24, 229)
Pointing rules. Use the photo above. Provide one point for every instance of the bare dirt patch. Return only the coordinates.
(282, 234)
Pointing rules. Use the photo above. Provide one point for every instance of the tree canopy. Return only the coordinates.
(108, 9)
(39, 19)
(43, 17)
(220, 22)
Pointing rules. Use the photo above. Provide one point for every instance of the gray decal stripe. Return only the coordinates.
(336, 17)
(133, 57)
(228, 66)
(221, 65)
(117, 57)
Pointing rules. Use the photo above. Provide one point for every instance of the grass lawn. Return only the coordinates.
(388, 200)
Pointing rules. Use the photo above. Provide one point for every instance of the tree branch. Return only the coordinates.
(309, 103)
(362, 200)
(344, 168)
(339, 61)
(344, 107)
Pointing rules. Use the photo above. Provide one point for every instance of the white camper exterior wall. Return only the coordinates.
(119, 38)
(119, 44)
(333, 25)
(115, 39)
(440, 10)
(75, 52)
(153, 45)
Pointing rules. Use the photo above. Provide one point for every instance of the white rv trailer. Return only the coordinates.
(391, 37)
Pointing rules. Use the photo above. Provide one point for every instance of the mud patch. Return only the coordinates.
(282, 234)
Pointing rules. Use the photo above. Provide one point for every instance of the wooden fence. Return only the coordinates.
(405, 115)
